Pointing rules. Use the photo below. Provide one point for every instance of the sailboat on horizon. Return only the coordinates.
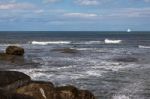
(129, 30)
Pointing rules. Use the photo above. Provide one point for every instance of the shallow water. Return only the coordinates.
(114, 70)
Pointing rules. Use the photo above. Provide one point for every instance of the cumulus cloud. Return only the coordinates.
(11, 6)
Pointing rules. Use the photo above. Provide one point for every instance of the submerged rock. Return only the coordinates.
(14, 50)
(10, 80)
(66, 50)
(126, 59)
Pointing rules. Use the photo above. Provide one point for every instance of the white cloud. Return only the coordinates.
(51, 1)
(87, 2)
(80, 15)
(131, 12)
(11, 6)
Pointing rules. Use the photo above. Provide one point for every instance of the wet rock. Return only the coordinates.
(85, 94)
(71, 92)
(8, 95)
(67, 92)
(10, 80)
(66, 50)
(38, 90)
(11, 58)
(17, 85)
(126, 59)
(14, 50)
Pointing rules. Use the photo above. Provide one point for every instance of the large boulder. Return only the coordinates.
(71, 92)
(38, 90)
(14, 50)
(8, 95)
(10, 80)
(67, 92)
(11, 58)
(85, 94)
(46, 90)
(17, 85)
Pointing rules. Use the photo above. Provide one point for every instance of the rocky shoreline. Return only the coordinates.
(17, 85)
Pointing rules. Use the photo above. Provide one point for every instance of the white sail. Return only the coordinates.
(129, 30)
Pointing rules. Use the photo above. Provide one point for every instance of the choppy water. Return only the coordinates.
(111, 65)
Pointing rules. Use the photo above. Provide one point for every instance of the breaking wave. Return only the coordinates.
(49, 42)
(141, 46)
(108, 41)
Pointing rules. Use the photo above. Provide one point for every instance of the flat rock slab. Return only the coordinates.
(11, 80)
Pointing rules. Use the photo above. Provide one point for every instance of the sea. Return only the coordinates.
(112, 65)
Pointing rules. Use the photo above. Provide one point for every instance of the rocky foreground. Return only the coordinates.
(17, 85)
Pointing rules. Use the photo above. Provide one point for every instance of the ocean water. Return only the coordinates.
(112, 65)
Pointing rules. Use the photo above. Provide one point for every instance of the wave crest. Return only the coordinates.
(49, 42)
(141, 46)
(108, 41)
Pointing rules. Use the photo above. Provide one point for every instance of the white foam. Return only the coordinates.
(108, 41)
(120, 97)
(94, 73)
(49, 42)
(88, 42)
(141, 46)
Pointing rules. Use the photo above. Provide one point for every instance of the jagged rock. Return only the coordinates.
(66, 50)
(17, 85)
(67, 92)
(10, 80)
(38, 90)
(8, 95)
(14, 50)
(85, 94)
(71, 92)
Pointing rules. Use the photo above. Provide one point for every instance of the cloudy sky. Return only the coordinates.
(74, 15)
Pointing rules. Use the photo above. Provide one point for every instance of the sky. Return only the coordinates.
(74, 15)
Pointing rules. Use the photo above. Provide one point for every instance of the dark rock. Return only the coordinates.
(126, 59)
(4, 56)
(38, 90)
(14, 50)
(66, 50)
(7, 95)
(17, 85)
(85, 94)
(67, 92)
(11, 58)
(10, 80)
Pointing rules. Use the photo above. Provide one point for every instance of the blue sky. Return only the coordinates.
(74, 15)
